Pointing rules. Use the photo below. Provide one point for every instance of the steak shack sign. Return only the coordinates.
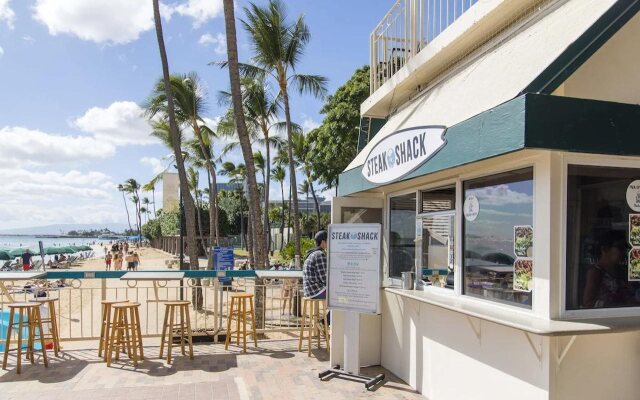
(402, 152)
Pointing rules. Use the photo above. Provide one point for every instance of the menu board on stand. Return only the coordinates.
(353, 286)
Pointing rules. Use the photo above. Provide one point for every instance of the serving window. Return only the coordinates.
(435, 228)
(402, 234)
(498, 237)
(603, 237)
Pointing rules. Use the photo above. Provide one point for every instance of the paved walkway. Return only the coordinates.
(274, 371)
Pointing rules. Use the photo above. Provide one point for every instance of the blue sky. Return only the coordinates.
(73, 73)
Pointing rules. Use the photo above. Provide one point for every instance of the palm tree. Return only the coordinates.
(124, 199)
(278, 46)
(132, 187)
(190, 104)
(261, 109)
(151, 187)
(237, 177)
(279, 175)
(194, 180)
(245, 141)
(188, 203)
(302, 150)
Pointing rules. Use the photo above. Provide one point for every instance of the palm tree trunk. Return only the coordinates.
(153, 196)
(188, 203)
(213, 207)
(282, 225)
(289, 218)
(250, 242)
(124, 198)
(267, 181)
(199, 217)
(292, 173)
(315, 200)
(213, 240)
(245, 144)
(241, 127)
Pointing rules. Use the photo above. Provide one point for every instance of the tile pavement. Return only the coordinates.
(275, 370)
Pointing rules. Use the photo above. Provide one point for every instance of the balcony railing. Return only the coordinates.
(406, 29)
(78, 308)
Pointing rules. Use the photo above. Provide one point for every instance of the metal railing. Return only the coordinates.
(405, 30)
(78, 309)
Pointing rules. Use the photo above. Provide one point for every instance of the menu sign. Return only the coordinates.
(354, 267)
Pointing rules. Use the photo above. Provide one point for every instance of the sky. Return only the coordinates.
(74, 73)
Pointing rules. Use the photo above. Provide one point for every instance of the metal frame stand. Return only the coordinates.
(369, 382)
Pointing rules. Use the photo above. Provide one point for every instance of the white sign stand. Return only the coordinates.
(353, 287)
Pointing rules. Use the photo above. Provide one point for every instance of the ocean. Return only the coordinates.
(10, 242)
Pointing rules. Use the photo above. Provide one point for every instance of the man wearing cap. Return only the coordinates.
(314, 270)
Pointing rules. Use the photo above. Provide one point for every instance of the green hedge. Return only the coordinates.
(288, 251)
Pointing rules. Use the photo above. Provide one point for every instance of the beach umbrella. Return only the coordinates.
(5, 256)
(67, 250)
(19, 251)
(76, 248)
(52, 250)
(84, 247)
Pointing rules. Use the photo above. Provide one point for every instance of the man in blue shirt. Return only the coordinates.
(26, 260)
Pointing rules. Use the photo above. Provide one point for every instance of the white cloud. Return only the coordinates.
(28, 39)
(155, 163)
(113, 21)
(219, 41)
(6, 14)
(501, 195)
(1, 52)
(200, 10)
(23, 146)
(100, 21)
(120, 123)
(308, 123)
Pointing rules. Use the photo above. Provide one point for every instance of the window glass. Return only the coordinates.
(402, 233)
(438, 200)
(498, 237)
(436, 247)
(361, 215)
(603, 237)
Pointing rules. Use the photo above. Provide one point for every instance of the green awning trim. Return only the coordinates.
(534, 121)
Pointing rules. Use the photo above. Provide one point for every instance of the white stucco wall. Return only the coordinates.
(447, 355)
(611, 74)
(598, 367)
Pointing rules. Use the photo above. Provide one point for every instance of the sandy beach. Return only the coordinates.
(79, 303)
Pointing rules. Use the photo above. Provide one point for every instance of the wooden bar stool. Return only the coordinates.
(317, 310)
(238, 308)
(179, 309)
(51, 319)
(28, 317)
(105, 326)
(125, 332)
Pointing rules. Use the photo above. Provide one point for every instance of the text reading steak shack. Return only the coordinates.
(401, 152)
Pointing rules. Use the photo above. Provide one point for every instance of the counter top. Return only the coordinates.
(517, 320)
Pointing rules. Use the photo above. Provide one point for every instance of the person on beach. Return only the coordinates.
(107, 261)
(130, 259)
(26, 260)
(117, 260)
(126, 247)
(136, 260)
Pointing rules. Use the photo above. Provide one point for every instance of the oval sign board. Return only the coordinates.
(401, 152)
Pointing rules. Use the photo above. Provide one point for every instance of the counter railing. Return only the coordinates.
(80, 293)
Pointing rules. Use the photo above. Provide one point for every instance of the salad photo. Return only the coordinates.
(634, 229)
(634, 264)
(523, 240)
(523, 275)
